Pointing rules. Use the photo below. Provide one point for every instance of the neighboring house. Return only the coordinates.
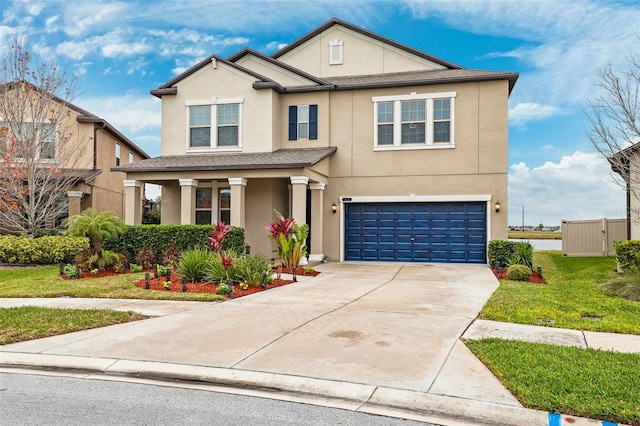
(89, 148)
(388, 153)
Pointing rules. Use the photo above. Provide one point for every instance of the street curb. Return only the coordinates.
(330, 393)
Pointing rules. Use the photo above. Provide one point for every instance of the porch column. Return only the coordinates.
(188, 201)
(237, 185)
(133, 205)
(75, 198)
(317, 220)
(299, 199)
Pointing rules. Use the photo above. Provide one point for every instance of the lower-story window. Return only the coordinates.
(203, 206)
(225, 206)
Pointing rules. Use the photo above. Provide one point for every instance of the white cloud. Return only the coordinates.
(131, 113)
(121, 49)
(524, 112)
(579, 186)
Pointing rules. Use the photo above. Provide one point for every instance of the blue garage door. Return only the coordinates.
(416, 232)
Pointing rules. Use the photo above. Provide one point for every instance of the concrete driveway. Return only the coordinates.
(380, 324)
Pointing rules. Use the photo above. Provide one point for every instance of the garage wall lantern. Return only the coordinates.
(334, 208)
(497, 206)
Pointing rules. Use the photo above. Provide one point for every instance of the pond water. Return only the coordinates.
(544, 244)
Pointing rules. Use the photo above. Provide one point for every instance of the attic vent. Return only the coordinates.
(335, 52)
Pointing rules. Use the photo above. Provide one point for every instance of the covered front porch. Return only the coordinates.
(244, 191)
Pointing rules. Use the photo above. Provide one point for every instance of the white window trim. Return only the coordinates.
(214, 125)
(335, 46)
(397, 115)
(56, 148)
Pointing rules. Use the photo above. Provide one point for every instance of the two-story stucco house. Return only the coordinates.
(388, 153)
(81, 147)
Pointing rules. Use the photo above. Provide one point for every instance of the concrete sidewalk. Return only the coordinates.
(379, 338)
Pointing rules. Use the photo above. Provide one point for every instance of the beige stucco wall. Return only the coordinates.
(108, 187)
(221, 82)
(321, 99)
(361, 56)
(276, 73)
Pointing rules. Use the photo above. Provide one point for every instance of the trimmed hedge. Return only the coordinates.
(159, 237)
(627, 254)
(508, 252)
(501, 251)
(518, 273)
(44, 250)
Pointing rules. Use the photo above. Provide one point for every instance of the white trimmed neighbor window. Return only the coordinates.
(214, 125)
(414, 121)
(30, 139)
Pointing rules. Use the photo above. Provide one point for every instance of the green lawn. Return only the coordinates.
(571, 298)
(44, 281)
(31, 322)
(583, 382)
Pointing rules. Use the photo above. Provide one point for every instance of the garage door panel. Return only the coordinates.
(421, 232)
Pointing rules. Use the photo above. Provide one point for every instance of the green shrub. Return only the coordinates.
(106, 260)
(627, 254)
(500, 251)
(223, 289)
(135, 268)
(518, 273)
(216, 273)
(159, 237)
(523, 254)
(152, 217)
(70, 270)
(44, 250)
(194, 263)
(253, 269)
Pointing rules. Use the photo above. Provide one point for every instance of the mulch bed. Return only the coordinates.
(201, 287)
(534, 278)
(197, 287)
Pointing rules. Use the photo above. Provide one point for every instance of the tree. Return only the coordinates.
(39, 162)
(614, 123)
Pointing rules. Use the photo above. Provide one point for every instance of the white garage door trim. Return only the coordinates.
(411, 198)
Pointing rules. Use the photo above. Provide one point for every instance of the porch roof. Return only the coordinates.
(282, 158)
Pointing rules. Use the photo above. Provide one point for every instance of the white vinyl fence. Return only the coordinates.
(591, 238)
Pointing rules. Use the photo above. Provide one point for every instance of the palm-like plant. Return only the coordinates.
(94, 225)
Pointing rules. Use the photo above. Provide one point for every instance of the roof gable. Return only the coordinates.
(335, 22)
(169, 88)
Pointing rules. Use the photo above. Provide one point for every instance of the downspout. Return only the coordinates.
(96, 126)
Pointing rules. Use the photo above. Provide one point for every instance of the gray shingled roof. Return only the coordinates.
(420, 77)
(283, 158)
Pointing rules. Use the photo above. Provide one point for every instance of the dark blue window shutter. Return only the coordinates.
(313, 121)
(293, 122)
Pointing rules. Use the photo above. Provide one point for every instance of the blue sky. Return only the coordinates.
(120, 50)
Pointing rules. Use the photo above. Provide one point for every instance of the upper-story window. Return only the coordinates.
(117, 154)
(335, 52)
(130, 157)
(414, 121)
(214, 124)
(30, 140)
(303, 122)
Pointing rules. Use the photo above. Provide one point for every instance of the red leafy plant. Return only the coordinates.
(219, 234)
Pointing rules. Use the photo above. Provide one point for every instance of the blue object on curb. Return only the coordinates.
(554, 419)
